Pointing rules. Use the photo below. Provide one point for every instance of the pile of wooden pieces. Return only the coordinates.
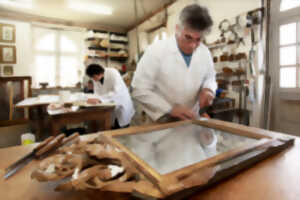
(92, 164)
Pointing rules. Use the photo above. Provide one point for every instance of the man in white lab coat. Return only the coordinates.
(176, 77)
(110, 87)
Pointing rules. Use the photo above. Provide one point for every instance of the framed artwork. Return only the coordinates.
(7, 33)
(6, 70)
(7, 54)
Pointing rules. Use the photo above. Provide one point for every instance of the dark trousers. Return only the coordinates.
(117, 125)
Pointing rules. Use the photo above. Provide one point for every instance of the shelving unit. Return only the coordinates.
(111, 49)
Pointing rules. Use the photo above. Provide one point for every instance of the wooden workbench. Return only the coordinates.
(276, 178)
(100, 115)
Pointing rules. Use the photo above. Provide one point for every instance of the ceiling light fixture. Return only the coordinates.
(89, 7)
(17, 3)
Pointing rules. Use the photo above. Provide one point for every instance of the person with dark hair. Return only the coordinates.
(110, 87)
(176, 77)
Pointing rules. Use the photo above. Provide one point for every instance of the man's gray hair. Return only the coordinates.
(195, 17)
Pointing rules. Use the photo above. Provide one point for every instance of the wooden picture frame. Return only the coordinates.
(187, 180)
(8, 54)
(7, 33)
(6, 70)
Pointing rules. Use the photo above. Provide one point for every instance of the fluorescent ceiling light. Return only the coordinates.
(89, 7)
(17, 3)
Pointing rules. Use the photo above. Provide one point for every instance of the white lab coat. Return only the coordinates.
(115, 90)
(162, 78)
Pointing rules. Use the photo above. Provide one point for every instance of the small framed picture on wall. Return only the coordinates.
(7, 33)
(6, 70)
(7, 54)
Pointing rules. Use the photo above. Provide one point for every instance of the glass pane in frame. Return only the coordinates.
(45, 69)
(288, 34)
(288, 77)
(68, 70)
(289, 4)
(171, 149)
(288, 55)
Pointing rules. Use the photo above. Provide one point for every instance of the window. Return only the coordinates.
(289, 55)
(159, 34)
(57, 57)
(288, 4)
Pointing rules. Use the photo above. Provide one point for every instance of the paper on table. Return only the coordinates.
(85, 104)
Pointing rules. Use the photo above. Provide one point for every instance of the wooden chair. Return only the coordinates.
(12, 90)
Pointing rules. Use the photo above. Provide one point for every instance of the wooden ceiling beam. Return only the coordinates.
(25, 17)
(147, 17)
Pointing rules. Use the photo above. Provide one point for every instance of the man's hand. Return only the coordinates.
(182, 112)
(206, 97)
(205, 115)
(93, 101)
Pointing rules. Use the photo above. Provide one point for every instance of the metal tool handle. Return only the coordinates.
(203, 110)
(44, 143)
(54, 143)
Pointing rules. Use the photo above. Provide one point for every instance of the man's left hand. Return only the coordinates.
(206, 97)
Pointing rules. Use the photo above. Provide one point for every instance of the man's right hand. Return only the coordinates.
(182, 112)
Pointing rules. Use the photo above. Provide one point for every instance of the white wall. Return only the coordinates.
(23, 44)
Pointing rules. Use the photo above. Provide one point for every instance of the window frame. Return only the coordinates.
(279, 18)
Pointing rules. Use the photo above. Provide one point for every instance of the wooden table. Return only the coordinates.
(101, 116)
(276, 178)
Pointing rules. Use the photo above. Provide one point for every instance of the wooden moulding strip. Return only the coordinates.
(213, 161)
(244, 163)
(139, 164)
(15, 78)
(14, 122)
(30, 106)
(237, 129)
(143, 129)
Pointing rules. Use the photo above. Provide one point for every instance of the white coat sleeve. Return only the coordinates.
(115, 94)
(143, 85)
(210, 77)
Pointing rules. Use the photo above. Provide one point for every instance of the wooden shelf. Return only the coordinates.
(118, 41)
(233, 74)
(98, 48)
(95, 38)
(119, 59)
(215, 46)
(97, 57)
(117, 49)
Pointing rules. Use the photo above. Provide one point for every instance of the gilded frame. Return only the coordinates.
(185, 181)
(7, 33)
(11, 52)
